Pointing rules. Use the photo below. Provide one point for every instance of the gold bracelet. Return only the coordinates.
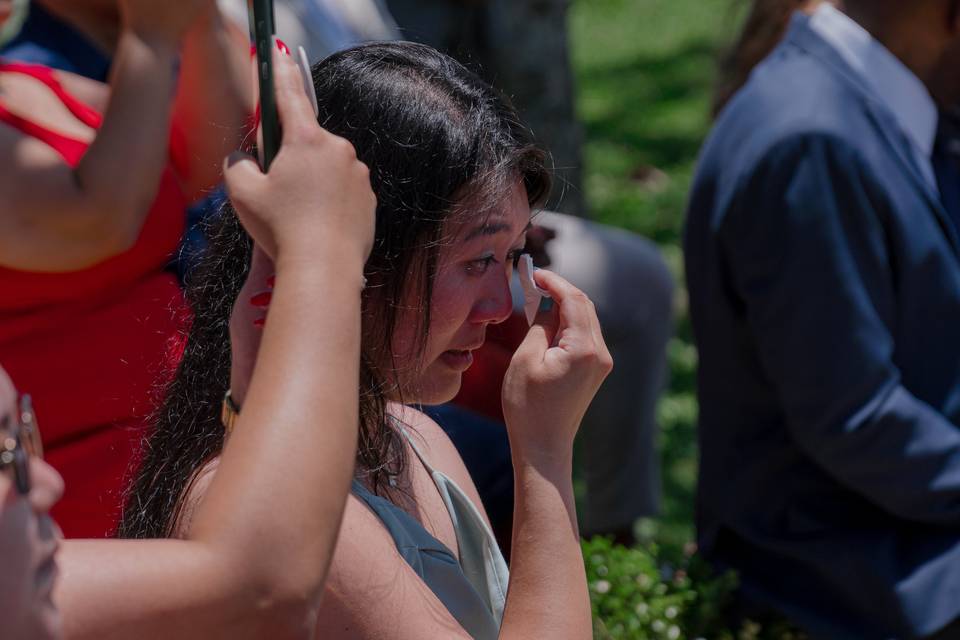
(229, 412)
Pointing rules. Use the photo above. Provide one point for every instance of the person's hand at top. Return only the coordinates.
(554, 374)
(317, 193)
(162, 22)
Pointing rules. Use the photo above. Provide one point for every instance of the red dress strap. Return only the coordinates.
(69, 148)
(83, 112)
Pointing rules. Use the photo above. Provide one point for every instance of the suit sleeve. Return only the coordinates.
(807, 250)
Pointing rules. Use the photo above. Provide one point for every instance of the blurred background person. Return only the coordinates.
(96, 184)
(817, 380)
(762, 31)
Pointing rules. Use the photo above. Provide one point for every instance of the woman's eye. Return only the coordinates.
(514, 257)
(479, 267)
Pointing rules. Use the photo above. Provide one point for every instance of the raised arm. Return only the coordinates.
(259, 546)
(58, 218)
(214, 104)
(549, 385)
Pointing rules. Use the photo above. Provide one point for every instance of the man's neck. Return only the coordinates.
(97, 20)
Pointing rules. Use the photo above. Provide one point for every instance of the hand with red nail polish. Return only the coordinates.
(261, 300)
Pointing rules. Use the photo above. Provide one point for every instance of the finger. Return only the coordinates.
(241, 175)
(541, 334)
(574, 306)
(293, 105)
(595, 327)
(47, 486)
(8, 396)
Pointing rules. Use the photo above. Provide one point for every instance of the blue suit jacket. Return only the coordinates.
(824, 287)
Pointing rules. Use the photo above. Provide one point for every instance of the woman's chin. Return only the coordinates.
(439, 389)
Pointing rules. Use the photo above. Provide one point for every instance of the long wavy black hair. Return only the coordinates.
(439, 143)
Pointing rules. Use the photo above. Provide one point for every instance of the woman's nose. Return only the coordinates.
(496, 305)
(47, 486)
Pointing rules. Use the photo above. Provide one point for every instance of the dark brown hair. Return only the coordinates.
(762, 31)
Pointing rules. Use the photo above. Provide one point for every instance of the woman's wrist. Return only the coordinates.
(549, 462)
(324, 257)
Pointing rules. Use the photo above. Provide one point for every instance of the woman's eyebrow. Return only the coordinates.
(492, 229)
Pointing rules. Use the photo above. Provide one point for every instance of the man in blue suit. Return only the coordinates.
(824, 278)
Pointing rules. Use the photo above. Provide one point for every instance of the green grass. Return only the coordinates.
(645, 71)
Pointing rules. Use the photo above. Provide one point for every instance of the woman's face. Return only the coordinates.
(471, 290)
(28, 542)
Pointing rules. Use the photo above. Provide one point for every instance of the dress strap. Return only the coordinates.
(82, 111)
(70, 149)
(480, 556)
(413, 445)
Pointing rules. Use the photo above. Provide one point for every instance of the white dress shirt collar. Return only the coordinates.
(899, 89)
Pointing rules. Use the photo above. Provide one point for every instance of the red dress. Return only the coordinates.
(92, 346)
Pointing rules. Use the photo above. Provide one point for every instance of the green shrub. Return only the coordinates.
(642, 594)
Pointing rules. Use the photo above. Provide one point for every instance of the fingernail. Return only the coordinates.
(271, 281)
(259, 323)
(261, 300)
(281, 45)
(540, 290)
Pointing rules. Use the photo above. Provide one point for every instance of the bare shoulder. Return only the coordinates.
(438, 450)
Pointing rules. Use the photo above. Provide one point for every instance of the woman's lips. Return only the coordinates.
(459, 360)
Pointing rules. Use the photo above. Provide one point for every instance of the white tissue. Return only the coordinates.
(532, 294)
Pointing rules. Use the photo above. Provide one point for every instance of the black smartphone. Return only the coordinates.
(262, 29)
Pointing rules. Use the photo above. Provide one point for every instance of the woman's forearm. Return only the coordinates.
(547, 597)
(215, 99)
(302, 409)
(257, 552)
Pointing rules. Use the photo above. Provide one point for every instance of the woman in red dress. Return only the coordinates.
(95, 185)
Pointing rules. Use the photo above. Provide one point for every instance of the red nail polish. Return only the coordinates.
(259, 323)
(261, 299)
(282, 46)
(272, 281)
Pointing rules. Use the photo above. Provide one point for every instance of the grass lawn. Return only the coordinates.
(645, 71)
